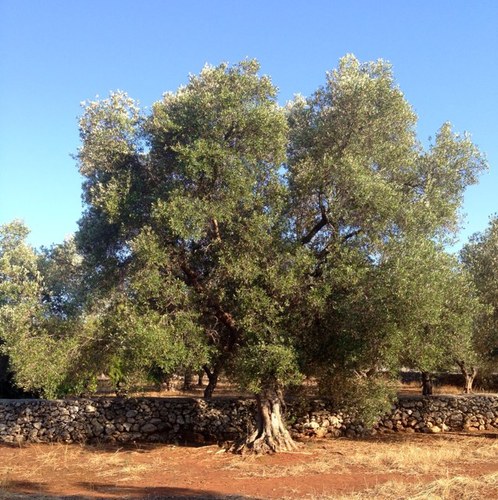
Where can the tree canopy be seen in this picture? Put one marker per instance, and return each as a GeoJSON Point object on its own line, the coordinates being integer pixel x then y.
{"type": "Point", "coordinates": [479, 257]}
{"type": "Point", "coordinates": [223, 231]}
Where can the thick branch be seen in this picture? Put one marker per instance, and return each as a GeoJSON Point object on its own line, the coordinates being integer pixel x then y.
{"type": "Point", "coordinates": [315, 229]}
{"type": "Point", "coordinates": [221, 315]}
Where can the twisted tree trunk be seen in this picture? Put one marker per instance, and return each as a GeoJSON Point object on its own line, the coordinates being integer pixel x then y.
{"type": "Point", "coordinates": [271, 434]}
{"type": "Point", "coordinates": [469, 373]}
{"type": "Point", "coordinates": [212, 380]}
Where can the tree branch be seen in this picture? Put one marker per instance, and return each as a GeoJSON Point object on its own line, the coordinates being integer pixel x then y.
{"type": "Point", "coordinates": [350, 235]}
{"type": "Point", "coordinates": [221, 315]}
{"type": "Point", "coordinates": [315, 229]}
{"type": "Point", "coordinates": [216, 229]}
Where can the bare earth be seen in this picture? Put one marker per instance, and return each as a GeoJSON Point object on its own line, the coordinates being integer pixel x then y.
{"type": "Point", "coordinates": [394, 466]}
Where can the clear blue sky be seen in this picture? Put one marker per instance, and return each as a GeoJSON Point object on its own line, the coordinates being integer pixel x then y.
{"type": "Point", "coordinates": [56, 53]}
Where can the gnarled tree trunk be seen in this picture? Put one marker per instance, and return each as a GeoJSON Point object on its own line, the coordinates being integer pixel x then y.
{"type": "Point", "coordinates": [212, 380]}
{"type": "Point", "coordinates": [271, 435]}
{"type": "Point", "coordinates": [469, 373]}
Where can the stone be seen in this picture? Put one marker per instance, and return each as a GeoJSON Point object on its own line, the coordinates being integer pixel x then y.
{"type": "Point", "coordinates": [98, 429]}
{"type": "Point", "coordinates": [109, 428]}
{"type": "Point", "coordinates": [149, 428]}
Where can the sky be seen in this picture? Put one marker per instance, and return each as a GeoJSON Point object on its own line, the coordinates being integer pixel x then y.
{"type": "Point", "coordinates": [54, 54]}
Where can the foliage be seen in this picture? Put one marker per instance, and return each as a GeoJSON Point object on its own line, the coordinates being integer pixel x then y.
{"type": "Point", "coordinates": [373, 208]}
{"type": "Point", "coordinates": [209, 196]}
{"type": "Point", "coordinates": [34, 344]}
{"type": "Point", "coordinates": [223, 230]}
{"type": "Point", "coordinates": [63, 279]}
{"type": "Point", "coordinates": [479, 257]}
{"type": "Point", "coordinates": [366, 396]}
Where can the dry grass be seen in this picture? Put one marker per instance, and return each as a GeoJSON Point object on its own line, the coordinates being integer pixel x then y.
{"type": "Point", "coordinates": [459, 487]}
{"type": "Point", "coordinates": [429, 456]}
{"type": "Point", "coordinates": [425, 457]}
{"type": "Point", "coordinates": [416, 467]}
{"type": "Point", "coordinates": [120, 465]}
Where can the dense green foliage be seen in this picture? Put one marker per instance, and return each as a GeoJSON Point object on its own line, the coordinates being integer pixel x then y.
{"type": "Point", "coordinates": [480, 258]}
{"type": "Point", "coordinates": [34, 340]}
{"type": "Point", "coordinates": [224, 231]}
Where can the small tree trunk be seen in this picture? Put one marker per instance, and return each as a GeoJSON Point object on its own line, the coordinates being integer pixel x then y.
{"type": "Point", "coordinates": [200, 377]}
{"type": "Point", "coordinates": [469, 374]}
{"type": "Point", "coordinates": [212, 380]}
{"type": "Point", "coordinates": [426, 384]}
{"type": "Point", "coordinates": [187, 380]}
{"type": "Point", "coordinates": [271, 435]}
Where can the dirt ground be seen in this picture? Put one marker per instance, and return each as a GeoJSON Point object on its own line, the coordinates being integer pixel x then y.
{"type": "Point", "coordinates": [393, 466]}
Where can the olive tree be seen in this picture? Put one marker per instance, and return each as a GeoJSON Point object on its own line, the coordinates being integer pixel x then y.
{"type": "Point", "coordinates": [479, 259]}
{"type": "Point", "coordinates": [222, 231]}
{"type": "Point", "coordinates": [34, 344]}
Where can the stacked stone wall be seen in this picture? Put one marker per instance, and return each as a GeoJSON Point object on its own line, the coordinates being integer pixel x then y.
{"type": "Point", "coordinates": [184, 420]}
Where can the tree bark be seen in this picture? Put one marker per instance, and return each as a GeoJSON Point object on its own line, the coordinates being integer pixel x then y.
{"type": "Point", "coordinates": [212, 380]}
{"type": "Point", "coordinates": [469, 373]}
{"type": "Point", "coordinates": [427, 388]}
{"type": "Point", "coordinates": [271, 435]}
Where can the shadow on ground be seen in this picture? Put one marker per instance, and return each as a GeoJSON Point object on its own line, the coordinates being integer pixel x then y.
{"type": "Point", "coordinates": [20, 490]}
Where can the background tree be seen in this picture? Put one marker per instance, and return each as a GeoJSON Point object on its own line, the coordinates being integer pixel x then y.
{"type": "Point", "coordinates": [64, 285]}
{"type": "Point", "coordinates": [479, 257]}
{"type": "Point", "coordinates": [17, 284]}
{"type": "Point", "coordinates": [436, 307]}
{"type": "Point", "coordinates": [33, 343]}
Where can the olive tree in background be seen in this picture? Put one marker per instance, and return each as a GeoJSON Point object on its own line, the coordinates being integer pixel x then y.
{"type": "Point", "coordinates": [479, 257]}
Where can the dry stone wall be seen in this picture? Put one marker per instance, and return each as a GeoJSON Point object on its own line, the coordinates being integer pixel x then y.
{"type": "Point", "coordinates": [431, 414]}
{"type": "Point", "coordinates": [180, 420]}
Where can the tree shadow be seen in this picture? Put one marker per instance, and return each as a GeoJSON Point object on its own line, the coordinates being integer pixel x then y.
{"type": "Point", "coordinates": [19, 490]}
{"type": "Point", "coordinates": [158, 492]}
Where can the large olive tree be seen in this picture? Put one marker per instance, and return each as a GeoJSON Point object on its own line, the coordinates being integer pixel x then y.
{"type": "Point", "coordinates": [222, 231]}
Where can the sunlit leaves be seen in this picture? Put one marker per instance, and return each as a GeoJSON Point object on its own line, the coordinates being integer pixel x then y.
{"type": "Point", "coordinates": [221, 228]}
